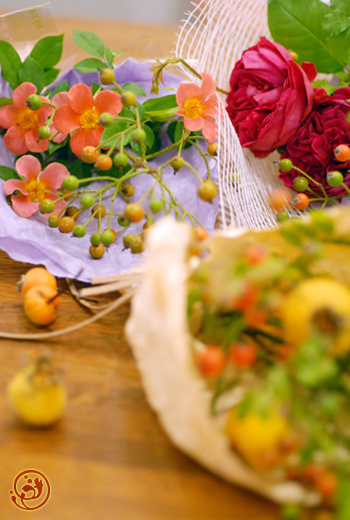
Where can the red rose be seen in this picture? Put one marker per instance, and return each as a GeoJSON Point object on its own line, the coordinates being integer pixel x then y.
{"type": "Point", "coordinates": [270, 96]}
{"type": "Point", "coordinates": [311, 149]}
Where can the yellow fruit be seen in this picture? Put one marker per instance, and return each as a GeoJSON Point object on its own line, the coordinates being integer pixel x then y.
{"type": "Point", "coordinates": [318, 305]}
{"type": "Point", "coordinates": [37, 394]}
{"type": "Point", "coordinates": [254, 435]}
{"type": "Point", "coordinates": [34, 277]}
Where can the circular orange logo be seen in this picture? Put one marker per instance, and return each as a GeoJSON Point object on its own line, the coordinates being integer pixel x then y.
{"type": "Point", "coordinates": [31, 490]}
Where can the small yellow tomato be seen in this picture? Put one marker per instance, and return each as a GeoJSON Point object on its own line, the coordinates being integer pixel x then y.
{"type": "Point", "coordinates": [37, 394]}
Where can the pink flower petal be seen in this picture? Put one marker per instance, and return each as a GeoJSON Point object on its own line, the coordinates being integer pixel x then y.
{"type": "Point", "coordinates": [82, 138]}
{"type": "Point", "coordinates": [28, 167]}
{"type": "Point", "coordinates": [14, 140]}
{"type": "Point", "coordinates": [186, 91]}
{"type": "Point", "coordinates": [53, 175]}
{"type": "Point", "coordinates": [60, 99]}
{"type": "Point", "coordinates": [208, 86]}
{"type": "Point", "coordinates": [81, 98]}
{"type": "Point", "coordinates": [59, 137]}
{"type": "Point", "coordinates": [35, 144]}
{"type": "Point", "coordinates": [210, 129]}
{"type": "Point", "coordinates": [20, 94]}
{"type": "Point", "coordinates": [43, 113]}
{"type": "Point", "coordinates": [108, 101]}
{"type": "Point", "coordinates": [14, 184]}
{"type": "Point", "coordinates": [66, 120]}
{"type": "Point", "coordinates": [9, 116]}
{"type": "Point", "coordinates": [193, 124]}
{"type": "Point", "coordinates": [23, 207]}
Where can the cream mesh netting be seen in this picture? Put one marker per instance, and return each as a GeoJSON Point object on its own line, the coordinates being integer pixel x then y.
{"type": "Point", "coordinates": [212, 38]}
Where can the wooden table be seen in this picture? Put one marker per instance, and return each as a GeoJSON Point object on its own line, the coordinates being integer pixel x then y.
{"type": "Point", "coordinates": [108, 458]}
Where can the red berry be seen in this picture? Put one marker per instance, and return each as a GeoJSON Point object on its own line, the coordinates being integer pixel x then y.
{"type": "Point", "coordinates": [243, 355]}
{"type": "Point", "coordinates": [301, 201]}
{"type": "Point", "coordinates": [211, 361]}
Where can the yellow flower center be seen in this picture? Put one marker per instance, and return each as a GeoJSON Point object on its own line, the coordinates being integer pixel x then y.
{"type": "Point", "coordinates": [27, 119]}
{"type": "Point", "coordinates": [89, 120]}
{"type": "Point", "coordinates": [36, 191]}
{"type": "Point", "coordinates": [193, 108]}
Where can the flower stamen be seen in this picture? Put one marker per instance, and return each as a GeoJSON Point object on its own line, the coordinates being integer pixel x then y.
{"type": "Point", "coordinates": [89, 120]}
{"type": "Point", "coordinates": [193, 108]}
{"type": "Point", "coordinates": [27, 119]}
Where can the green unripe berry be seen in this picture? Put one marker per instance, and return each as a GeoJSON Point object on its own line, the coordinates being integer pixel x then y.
{"type": "Point", "coordinates": [107, 237]}
{"type": "Point", "coordinates": [107, 76]}
{"type": "Point", "coordinates": [123, 222]}
{"type": "Point", "coordinates": [177, 163]}
{"type": "Point", "coordinates": [121, 160]}
{"type": "Point", "coordinates": [285, 165]}
{"type": "Point", "coordinates": [87, 201]}
{"type": "Point", "coordinates": [282, 217]}
{"type": "Point", "coordinates": [95, 239]}
{"type": "Point", "coordinates": [70, 183]}
{"type": "Point", "coordinates": [47, 206]}
{"type": "Point", "coordinates": [280, 149]}
{"type": "Point", "coordinates": [155, 205]}
{"type": "Point", "coordinates": [44, 132]}
{"type": "Point", "coordinates": [106, 119]}
{"type": "Point", "coordinates": [138, 135]}
{"type": "Point", "coordinates": [128, 99]}
{"type": "Point", "coordinates": [53, 221]}
{"type": "Point", "coordinates": [334, 179]}
{"type": "Point", "coordinates": [300, 183]}
{"type": "Point", "coordinates": [79, 231]}
{"type": "Point", "coordinates": [291, 512]}
{"type": "Point", "coordinates": [137, 245]}
{"type": "Point", "coordinates": [34, 102]}
{"type": "Point", "coordinates": [127, 240]}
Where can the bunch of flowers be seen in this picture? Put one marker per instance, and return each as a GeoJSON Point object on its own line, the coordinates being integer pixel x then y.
{"type": "Point", "coordinates": [66, 138]}
{"type": "Point", "coordinates": [276, 103]}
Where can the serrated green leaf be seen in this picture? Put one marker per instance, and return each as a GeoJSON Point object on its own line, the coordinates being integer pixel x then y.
{"type": "Point", "coordinates": [50, 75]}
{"type": "Point", "coordinates": [297, 25]}
{"type": "Point", "coordinates": [90, 65]}
{"type": "Point", "coordinates": [111, 133]}
{"type": "Point", "coordinates": [33, 72]}
{"type": "Point", "coordinates": [89, 42]}
{"type": "Point", "coordinates": [336, 22]}
{"type": "Point", "coordinates": [8, 173]}
{"type": "Point", "coordinates": [5, 101]}
{"type": "Point", "coordinates": [133, 87]}
{"type": "Point", "coordinates": [48, 51]}
{"type": "Point", "coordinates": [323, 83]}
{"type": "Point", "coordinates": [61, 87]}
{"type": "Point", "coordinates": [10, 63]}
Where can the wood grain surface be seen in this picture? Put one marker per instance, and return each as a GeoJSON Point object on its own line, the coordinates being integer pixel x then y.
{"type": "Point", "coordinates": [108, 458]}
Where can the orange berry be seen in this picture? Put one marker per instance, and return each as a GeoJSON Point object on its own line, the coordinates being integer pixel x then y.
{"type": "Point", "coordinates": [311, 473]}
{"type": "Point", "coordinates": [34, 277]}
{"type": "Point", "coordinates": [255, 255]}
{"type": "Point", "coordinates": [89, 154]}
{"type": "Point", "coordinates": [301, 201]}
{"type": "Point", "coordinates": [40, 304]}
{"type": "Point", "coordinates": [67, 193]}
{"type": "Point", "coordinates": [280, 199]}
{"type": "Point", "coordinates": [97, 251]}
{"type": "Point", "coordinates": [66, 224]}
{"type": "Point", "coordinates": [103, 163]}
{"type": "Point", "coordinates": [248, 298]}
{"type": "Point", "coordinates": [342, 153]}
{"type": "Point", "coordinates": [210, 361]}
{"type": "Point", "coordinates": [200, 233]}
{"type": "Point", "coordinates": [326, 484]}
{"type": "Point", "coordinates": [242, 355]}
{"type": "Point", "coordinates": [95, 208]}
{"type": "Point", "coordinates": [134, 212]}
{"type": "Point", "coordinates": [212, 148]}
{"type": "Point", "coordinates": [256, 317]}
{"type": "Point", "coordinates": [72, 212]}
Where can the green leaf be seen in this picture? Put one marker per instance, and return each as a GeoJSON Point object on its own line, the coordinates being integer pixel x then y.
{"type": "Point", "coordinates": [8, 173]}
{"type": "Point", "coordinates": [50, 75]}
{"type": "Point", "coordinates": [10, 64]}
{"type": "Point", "coordinates": [290, 237]}
{"type": "Point", "coordinates": [160, 103]}
{"type": "Point", "coordinates": [323, 83]}
{"type": "Point", "coordinates": [109, 57]}
{"type": "Point", "coordinates": [78, 168]}
{"type": "Point", "coordinates": [141, 111]}
{"type": "Point", "coordinates": [149, 141]}
{"type": "Point", "coordinates": [61, 87]}
{"type": "Point", "coordinates": [133, 87]}
{"type": "Point", "coordinates": [5, 101]}
{"type": "Point", "coordinates": [112, 132]}
{"type": "Point", "coordinates": [89, 42]}
{"type": "Point", "coordinates": [297, 25]}
{"type": "Point", "coordinates": [90, 65]}
{"type": "Point", "coordinates": [33, 72]}
{"type": "Point", "coordinates": [48, 51]}
{"type": "Point", "coordinates": [178, 131]}
{"type": "Point", "coordinates": [56, 146]}
{"type": "Point", "coordinates": [95, 88]}
{"type": "Point", "coordinates": [336, 23]}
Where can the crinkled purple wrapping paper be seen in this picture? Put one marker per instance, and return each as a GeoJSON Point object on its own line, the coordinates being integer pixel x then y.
{"type": "Point", "coordinates": [32, 240]}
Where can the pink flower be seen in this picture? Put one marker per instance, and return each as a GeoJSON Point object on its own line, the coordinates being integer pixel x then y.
{"type": "Point", "coordinates": [311, 149]}
{"type": "Point", "coordinates": [198, 106]}
{"type": "Point", "coordinates": [270, 95]}
{"type": "Point", "coordinates": [82, 114]}
{"type": "Point", "coordinates": [59, 99]}
{"type": "Point", "coordinates": [23, 123]}
{"type": "Point", "coordinates": [35, 186]}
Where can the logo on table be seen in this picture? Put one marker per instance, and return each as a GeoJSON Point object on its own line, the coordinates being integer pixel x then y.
{"type": "Point", "coordinates": [31, 490]}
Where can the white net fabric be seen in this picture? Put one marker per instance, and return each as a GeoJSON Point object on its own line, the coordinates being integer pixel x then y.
{"type": "Point", "coordinates": [212, 38]}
